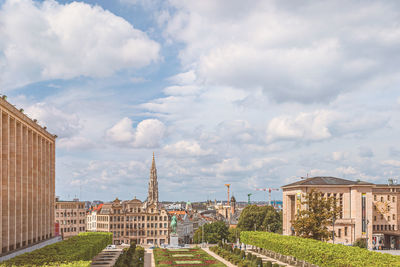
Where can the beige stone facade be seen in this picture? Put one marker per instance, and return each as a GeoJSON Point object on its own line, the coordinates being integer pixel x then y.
{"type": "Point", "coordinates": [367, 210]}
{"type": "Point", "coordinates": [134, 220]}
{"type": "Point", "coordinates": [27, 180]}
{"type": "Point", "coordinates": [71, 218]}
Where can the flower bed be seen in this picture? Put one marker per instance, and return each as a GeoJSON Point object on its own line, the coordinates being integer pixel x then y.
{"type": "Point", "coordinates": [317, 252]}
{"type": "Point", "coordinates": [184, 257]}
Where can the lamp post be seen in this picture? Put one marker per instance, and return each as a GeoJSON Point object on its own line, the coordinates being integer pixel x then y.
{"type": "Point", "coordinates": [333, 232]}
{"type": "Point", "coordinates": [367, 234]}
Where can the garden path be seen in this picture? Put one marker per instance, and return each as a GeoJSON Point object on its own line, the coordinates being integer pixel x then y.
{"type": "Point", "coordinates": [227, 263]}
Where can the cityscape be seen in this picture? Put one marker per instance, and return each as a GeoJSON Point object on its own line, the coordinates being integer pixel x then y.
{"type": "Point", "coordinates": [199, 133]}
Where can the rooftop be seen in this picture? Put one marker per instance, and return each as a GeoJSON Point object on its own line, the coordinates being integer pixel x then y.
{"type": "Point", "coordinates": [326, 180]}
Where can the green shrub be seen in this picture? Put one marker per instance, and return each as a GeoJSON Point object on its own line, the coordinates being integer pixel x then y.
{"type": "Point", "coordinates": [361, 243]}
{"type": "Point", "coordinates": [275, 265]}
{"type": "Point", "coordinates": [249, 256]}
{"type": "Point", "coordinates": [82, 247]}
{"type": "Point", "coordinates": [242, 254]}
{"type": "Point", "coordinates": [268, 264]}
{"type": "Point", "coordinates": [317, 252]}
{"type": "Point", "coordinates": [259, 262]}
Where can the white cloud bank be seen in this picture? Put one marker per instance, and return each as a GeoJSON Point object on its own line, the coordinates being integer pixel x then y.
{"type": "Point", "coordinates": [48, 40]}
{"type": "Point", "coordinates": [148, 133]}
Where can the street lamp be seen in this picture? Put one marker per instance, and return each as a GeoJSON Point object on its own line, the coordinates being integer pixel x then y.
{"type": "Point", "coordinates": [333, 232]}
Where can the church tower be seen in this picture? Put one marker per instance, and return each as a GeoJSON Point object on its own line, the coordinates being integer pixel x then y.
{"type": "Point", "coordinates": [153, 185]}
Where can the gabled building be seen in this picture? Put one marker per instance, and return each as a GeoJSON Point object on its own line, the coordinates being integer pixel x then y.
{"type": "Point", "coordinates": [136, 221]}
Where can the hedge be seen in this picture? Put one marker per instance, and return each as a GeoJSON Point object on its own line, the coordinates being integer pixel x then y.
{"type": "Point", "coordinates": [131, 257]}
{"type": "Point", "coordinates": [317, 252]}
{"type": "Point", "coordinates": [82, 247]}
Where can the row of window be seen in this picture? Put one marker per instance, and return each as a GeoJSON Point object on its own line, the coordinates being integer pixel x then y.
{"type": "Point", "coordinates": [64, 222]}
{"type": "Point", "coordinates": [138, 218]}
{"type": "Point", "coordinates": [383, 199]}
{"type": "Point", "coordinates": [339, 232]}
{"type": "Point", "coordinates": [141, 233]}
{"type": "Point", "coordinates": [71, 229]}
{"type": "Point", "coordinates": [385, 227]}
{"type": "Point", "coordinates": [388, 217]}
{"type": "Point", "coordinates": [69, 214]}
{"type": "Point", "coordinates": [69, 206]}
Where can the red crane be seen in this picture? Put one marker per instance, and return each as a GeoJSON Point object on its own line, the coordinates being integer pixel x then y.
{"type": "Point", "coordinates": [269, 192]}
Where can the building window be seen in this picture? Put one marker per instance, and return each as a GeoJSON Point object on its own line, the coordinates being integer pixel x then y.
{"type": "Point", "coordinates": [373, 227]}
{"type": "Point", "coordinates": [388, 198]}
{"type": "Point", "coordinates": [374, 218]}
{"type": "Point", "coordinates": [389, 218]}
{"type": "Point", "coordinates": [374, 197]}
{"type": "Point", "coordinates": [345, 231]}
{"type": "Point", "coordinates": [381, 216]}
{"type": "Point", "coordinates": [394, 217]}
{"type": "Point", "coordinates": [385, 227]}
{"type": "Point", "coordinates": [374, 207]}
{"type": "Point", "coordinates": [339, 232]}
{"type": "Point", "coordinates": [394, 199]}
{"type": "Point", "coordinates": [381, 199]}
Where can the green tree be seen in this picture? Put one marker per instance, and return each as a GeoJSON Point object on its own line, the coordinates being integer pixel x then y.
{"type": "Point", "coordinates": [234, 233]}
{"type": "Point", "coordinates": [213, 233]}
{"type": "Point", "coordinates": [318, 213]}
{"type": "Point", "coordinates": [264, 218]}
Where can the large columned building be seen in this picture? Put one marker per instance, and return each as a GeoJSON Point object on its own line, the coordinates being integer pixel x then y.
{"type": "Point", "coordinates": [27, 180]}
{"type": "Point", "coordinates": [367, 210]}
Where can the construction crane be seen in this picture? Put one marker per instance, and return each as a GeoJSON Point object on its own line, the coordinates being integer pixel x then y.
{"type": "Point", "coordinates": [269, 192]}
{"type": "Point", "coordinates": [248, 198]}
{"type": "Point", "coordinates": [228, 185]}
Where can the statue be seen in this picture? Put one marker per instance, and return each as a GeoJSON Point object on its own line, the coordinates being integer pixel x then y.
{"type": "Point", "coordinates": [173, 224]}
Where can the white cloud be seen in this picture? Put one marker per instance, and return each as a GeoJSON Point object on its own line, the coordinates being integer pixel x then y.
{"type": "Point", "coordinates": [148, 133]}
{"type": "Point", "coordinates": [75, 142]}
{"type": "Point", "coordinates": [305, 126]}
{"type": "Point", "coordinates": [307, 53]}
{"type": "Point", "coordinates": [122, 131]}
{"type": "Point", "coordinates": [185, 148]}
{"type": "Point", "coordinates": [48, 40]}
{"type": "Point", "coordinates": [58, 122]}
{"type": "Point", "coordinates": [391, 162]}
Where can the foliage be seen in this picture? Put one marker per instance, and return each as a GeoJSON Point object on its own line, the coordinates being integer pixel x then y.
{"type": "Point", "coordinates": [312, 222]}
{"type": "Point", "coordinates": [82, 247]}
{"type": "Point", "coordinates": [213, 233]}
{"type": "Point", "coordinates": [192, 257]}
{"type": "Point", "coordinates": [236, 259]}
{"type": "Point", "coordinates": [318, 252]}
{"type": "Point", "coordinates": [264, 218]}
{"type": "Point", "coordinates": [361, 243]}
{"type": "Point", "coordinates": [132, 257]}
{"type": "Point", "coordinates": [234, 233]}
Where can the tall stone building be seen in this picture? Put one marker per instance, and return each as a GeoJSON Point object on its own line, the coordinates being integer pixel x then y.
{"type": "Point", "coordinates": [27, 180]}
{"type": "Point", "coordinates": [134, 220]}
{"type": "Point", "coordinates": [70, 217]}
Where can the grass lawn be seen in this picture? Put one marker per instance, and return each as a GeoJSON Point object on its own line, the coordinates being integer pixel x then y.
{"type": "Point", "coordinates": [184, 257]}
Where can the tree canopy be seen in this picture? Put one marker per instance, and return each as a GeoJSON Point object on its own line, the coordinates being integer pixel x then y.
{"type": "Point", "coordinates": [213, 233]}
{"type": "Point", "coordinates": [313, 220]}
{"type": "Point", "coordinates": [263, 218]}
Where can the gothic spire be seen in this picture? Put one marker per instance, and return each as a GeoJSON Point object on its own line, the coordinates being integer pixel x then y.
{"type": "Point", "coordinates": [153, 184]}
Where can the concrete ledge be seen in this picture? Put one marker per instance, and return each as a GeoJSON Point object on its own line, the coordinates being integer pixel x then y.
{"type": "Point", "coordinates": [31, 248]}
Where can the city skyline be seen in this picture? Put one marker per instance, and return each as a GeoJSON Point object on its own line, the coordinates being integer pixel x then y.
{"type": "Point", "coordinates": [255, 96]}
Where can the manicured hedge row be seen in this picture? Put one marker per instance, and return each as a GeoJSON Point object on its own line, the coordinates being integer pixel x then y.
{"type": "Point", "coordinates": [317, 252]}
{"type": "Point", "coordinates": [131, 257]}
{"type": "Point", "coordinates": [82, 247]}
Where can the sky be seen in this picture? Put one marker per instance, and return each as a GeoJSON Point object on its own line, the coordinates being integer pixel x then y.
{"type": "Point", "coordinates": [256, 95]}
